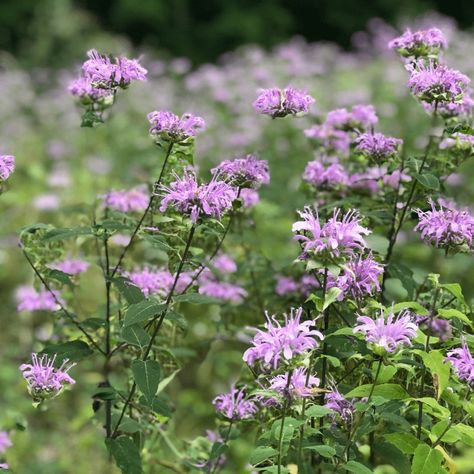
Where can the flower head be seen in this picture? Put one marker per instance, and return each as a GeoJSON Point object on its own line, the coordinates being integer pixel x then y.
{"type": "Point", "coordinates": [250, 197]}
{"type": "Point", "coordinates": [170, 127]}
{"type": "Point", "coordinates": [360, 277]}
{"type": "Point", "coordinates": [7, 166]}
{"type": "Point", "coordinates": [188, 197]}
{"type": "Point", "coordinates": [361, 117]}
{"type": "Point", "coordinates": [71, 266]}
{"type": "Point", "coordinates": [28, 299]}
{"type": "Point", "coordinates": [420, 43]}
{"type": "Point", "coordinates": [338, 237]}
{"type": "Point", "coordinates": [462, 362]}
{"type": "Point", "coordinates": [244, 172]}
{"type": "Point", "coordinates": [103, 72]}
{"type": "Point", "coordinates": [339, 405]}
{"type": "Point", "coordinates": [330, 176]}
{"type": "Point", "coordinates": [45, 380]}
{"type": "Point", "coordinates": [437, 327]}
{"type": "Point", "coordinates": [285, 341]}
{"type": "Point", "coordinates": [234, 406]}
{"type": "Point", "coordinates": [83, 89]}
{"type": "Point", "coordinates": [222, 290]}
{"type": "Point", "coordinates": [436, 83]}
{"type": "Point", "coordinates": [387, 334]}
{"type": "Point", "coordinates": [282, 102]}
{"type": "Point", "coordinates": [332, 139]}
{"type": "Point", "coordinates": [224, 264]}
{"type": "Point", "coordinates": [446, 227]}
{"type": "Point", "coordinates": [133, 200]}
{"type": "Point", "coordinates": [377, 146]}
{"type": "Point", "coordinates": [301, 385]}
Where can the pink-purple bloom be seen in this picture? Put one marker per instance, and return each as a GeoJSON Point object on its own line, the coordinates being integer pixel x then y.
{"type": "Point", "coordinates": [44, 379]}
{"type": "Point", "coordinates": [71, 266]}
{"type": "Point", "coordinates": [436, 83]}
{"type": "Point", "coordinates": [446, 227]}
{"type": "Point", "coordinates": [29, 299]}
{"type": "Point", "coordinates": [387, 334]}
{"type": "Point", "coordinates": [250, 197]}
{"type": "Point", "coordinates": [332, 139]}
{"type": "Point", "coordinates": [282, 102]}
{"type": "Point", "coordinates": [247, 171]}
{"type": "Point", "coordinates": [301, 385]}
{"type": "Point", "coordinates": [132, 200]}
{"type": "Point", "coordinates": [460, 141]}
{"type": "Point", "coordinates": [339, 405]}
{"type": "Point", "coordinates": [234, 405]}
{"type": "Point", "coordinates": [287, 285]}
{"type": "Point", "coordinates": [212, 199]}
{"type": "Point", "coordinates": [7, 166]}
{"type": "Point", "coordinates": [462, 362]}
{"type": "Point", "coordinates": [420, 43]}
{"type": "Point", "coordinates": [377, 146]}
{"type": "Point", "coordinates": [277, 342]}
{"type": "Point", "coordinates": [158, 281]}
{"type": "Point", "coordinates": [5, 441]}
{"type": "Point", "coordinates": [339, 237]}
{"type": "Point", "coordinates": [83, 89]}
{"type": "Point", "coordinates": [222, 290]}
{"type": "Point", "coordinates": [328, 176]}
{"type": "Point", "coordinates": [103, 72]}
{"type": "Point", "coordinates": [361, 117]}
{"type": "Point", "coordinates": [170, 127]}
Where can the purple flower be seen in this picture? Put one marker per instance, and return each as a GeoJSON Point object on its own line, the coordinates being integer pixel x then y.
{"type": "Point", "coordinates": [298, 387]}
{"type": "Point", "coordinates": [459, 141]}
{"type": "Point", "coordinates": [170, 127]}
{"type": "Point", "coordinates": [188, 197]}
{"type": "Point", "coordinates": [71, 266]}
{"type": "Point", "coordinates": [436, 83]}
{"type": "Point", "coordinates": [7, 166]}
{"type": "Point", "coordinates": [3, 465]}
{"type": "Point", "coordinates": [247, 172]}
{"type": "Point", "coordinates": [280, 103]}
{"type": "Point", "coordinates": [420, 43]}
{"type": "Point", "coordinates": [286, 285]}
{"type": "Point", "coordinates": [158, 282]}
{"type": "Point", "coordinates": [250, 197]}
{"type": "Point", "coordinates": [339, 405]}
{"type": "Point", "coordinates": [5, 441]}
{"type": "Point", "coordinates": [446, 227]}
{"type": "Point", "coordinates": [331, 176]}
{"type": "Point", "coordinates": [83, 89]}
{"type": "Point", "coordinates": [461, 108]}
{"type": "Point", "coordinates": [338, 237]}
{"type": "Point", "coordinates": [45, 380]}
{"type": "Point", "coordinates": [359, 278]}
{"type": "Point", "coordinates": [234, 406]}
{"type": "Point", "coordinates": [104, 73]}
{"type": "Point", "coordinates": [224, 264]}
{"type": "Point", "coordinates": [387, 334]}
{"type": "Point", "coordinates": [133, 200]}
{"type": "Point", "coordinates": [377, 146]}
{"type": "Point", "coordinates": [338, 118]}
{"type": "Point", "coordinates": [361, 117]}
{"type": "Point", "coordinates": [224, 291]}
{"type": "Point", "coordinates": [463, 362]}
{"type": "Point", "coordinates": [287, 341]}
{"type": "Point", "coordinates": [437, 327]}
{"type": "Point", "coordinates": [28, 299]}
{"type": "Point", "coordinates": [330, 138]}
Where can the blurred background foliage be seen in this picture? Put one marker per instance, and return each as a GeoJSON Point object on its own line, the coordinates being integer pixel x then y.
{"type": "Point", "coordinates": [42, 44]}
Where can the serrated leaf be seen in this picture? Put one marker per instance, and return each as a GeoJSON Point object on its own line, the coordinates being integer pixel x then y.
{"type": "Point", "coordinates": [128, 290]}
{"type": "Point", "coordinates": [127, 425]}
{"type": "Point", "coordinates": [426, 460]}
{"type": "Point", "coordinates": [159, 405]}
{"type": "Point", "coordinates": [323, 450]}
{"type": "Point", "coordinates": [142, 311]}
{"type": "Point", "coordinates": [466, 433]}
{"type": "Point", "coordinates": [60, 234]}
{"type": "Point", "coordinates": [440, 371]}
{"type": "Point", "coordinates": [456, 290]}
{"type": "Point", "coordinates": [428, 180]}
{"type": "Point", "coordinates": [262, 453]}
{"type": "Point", "coordinates": [405, 442]}
{"type": "Point", "coordinates": [147, 377]}
{"type": "Point", "coordinates": [126, 454]}
{"type": "Point", "coordinates": [331, 296]}
{"type": "Point", "coordinates": [135, 335]}
{"type": "Point", "coordinates": [195, 298]}
{"type": "Point", "coordinates": [317, 411]}
{"type": "Point", "coordinates": [433, 407]}
{"type": "Point", "coordinates": [72, 350]}
{"type": "Point", "coordinates": [357, 468]}
{"type": "Point", "coordinates": [390, 391]}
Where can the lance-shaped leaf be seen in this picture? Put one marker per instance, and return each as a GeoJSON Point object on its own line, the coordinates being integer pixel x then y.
{"type": "Point", "coordinates": [126, 454]}
{"type": "Point", "coordinates": [142, 311]}
{"type": "Point", "coordinates": [147, 377]}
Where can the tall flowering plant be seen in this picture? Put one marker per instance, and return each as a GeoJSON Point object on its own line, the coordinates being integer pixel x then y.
{"type": "Point", "coordinates": [353, 376]}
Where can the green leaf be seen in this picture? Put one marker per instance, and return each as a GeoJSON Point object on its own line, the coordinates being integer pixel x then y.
{"type": "Point", "coordinates": [147, 377]}
{"type": "Point", "coordinates": [262, 453]}
{"type": "Point", "coordinates": [195, 298]}
{"type": "Point", "coordinates": [331, 296]}
{"type": "Point", "coordinates": [128, 290]}
{"type": "Point", "coordinates": [59, 276]}
{"type": "Point", "coordinates": [450, 436]}
{"type": "Point", "coordinates": [390, 391]}
{"type": "Point", "coordinates": [60, 234]}
{"type": "Point", "coordinates": [426, 460]}
{"type": "Point", "coordinates": [466, 433]}
{"type": "Point", "coordinates": [405, 442]}
{"type": "Point", "coordinates": [317, 411]}
{"type": "Point", "coordinates": [454, 313]}
{"type": "Point", "coordinates": [178, 319]}
{"type": "Point", "coordinates": [142, 311]}
{"type": "Point", "coordinates": [158, 405]}
{"type": "Point", "coordinates": [72, 350]}
{"type": "Point", "coordinates": [357, 468]}
{"type": "Point", "coordinates": [428, 180]}
{"type": "Point", "coordinates": [127, 425]}
{"type": "Point", "coordinates": [126, 454]}
{"type": "Point", "coordinates": [433, 407]}
{"type": "Point", "coordinates": [440, 371]}
{"type": "Point", "coordinates": [410, 305]}
{"type": "Point", "coordinates": [323, 450]}
{"type": "Point", "coordinates": [456, 290]}
{"type": "Point", "coordinates": [135, 335]}
{"type": "Point", "coordinates": [166, 381]}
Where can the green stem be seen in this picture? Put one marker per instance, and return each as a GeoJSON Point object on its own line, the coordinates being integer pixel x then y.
{"type": "Point", "coordinates": [108, 403]}
{"type": "Point", "coordinates": [283, 416]}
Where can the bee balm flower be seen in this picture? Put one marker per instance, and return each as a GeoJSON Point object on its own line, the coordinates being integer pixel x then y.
{"type": "Point", "coordinates": [282, 102]}
{"type": "Point", "coordinates": [7, 166]}
{"type": "Point", "coordinates": [462, 362]}
{"type": "Point", "coordinates": [234, 406]}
